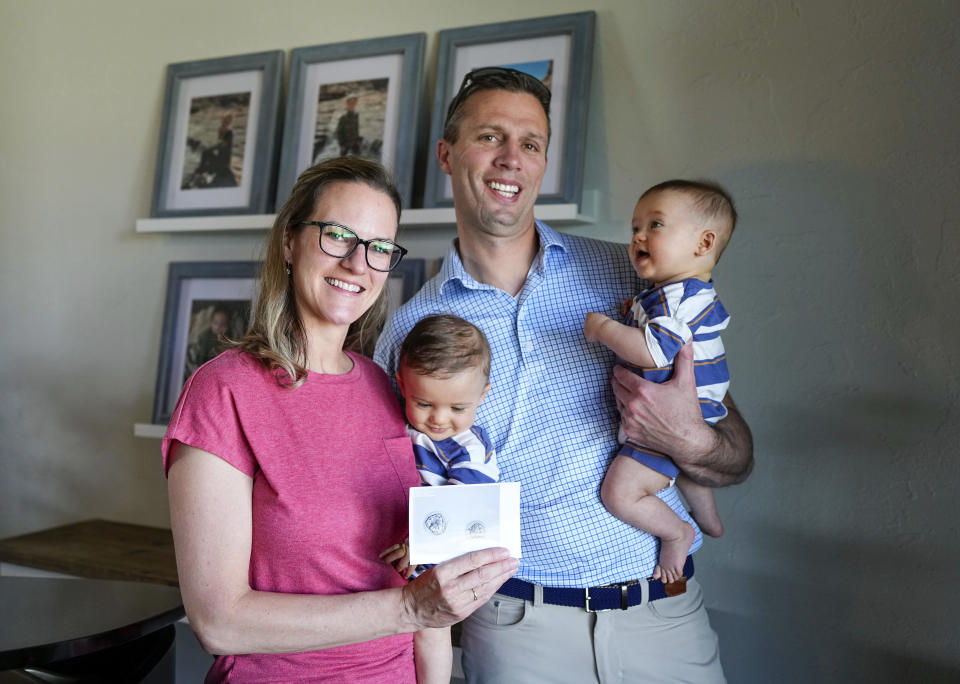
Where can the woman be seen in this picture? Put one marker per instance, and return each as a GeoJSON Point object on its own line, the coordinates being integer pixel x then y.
{"type": "Point", "coordinates": [289, 464]}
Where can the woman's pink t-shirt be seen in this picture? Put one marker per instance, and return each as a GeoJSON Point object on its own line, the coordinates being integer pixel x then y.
{"type": "Point", "coordinates": [331, 465]}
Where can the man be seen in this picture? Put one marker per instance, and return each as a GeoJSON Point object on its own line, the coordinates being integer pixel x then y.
{"type": "Point", "coordinates": [348, 128]}
{"type": "Point", "coordinates": [553, 418]}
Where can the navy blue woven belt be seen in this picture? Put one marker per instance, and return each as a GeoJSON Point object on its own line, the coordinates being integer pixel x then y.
{"type": "Point", "coordinates": [609, 597]}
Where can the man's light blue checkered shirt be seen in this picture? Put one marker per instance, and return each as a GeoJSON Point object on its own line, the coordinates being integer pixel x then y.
{"type": "Point", "coordinates": [550, 412]}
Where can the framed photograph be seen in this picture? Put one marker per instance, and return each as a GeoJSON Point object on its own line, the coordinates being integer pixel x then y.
{"type": "Point", "coordinates": [218, 137]}
{"type": "Point", "coordinates": [206, 300]}
{"type": "Point", "coordinates": [404, 282]}
{"type": "Point", "coordinates": [356, 98]}
{"type": "Point", "coordinates": [559, 51]}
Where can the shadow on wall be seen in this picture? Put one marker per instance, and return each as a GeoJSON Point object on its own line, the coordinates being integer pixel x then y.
{"type": "Point", "coordinates": [835, 607]}
{"type": "Point", "coordinates": [761, 653]}
{"type": "Point", "coordinates": [842, 548]}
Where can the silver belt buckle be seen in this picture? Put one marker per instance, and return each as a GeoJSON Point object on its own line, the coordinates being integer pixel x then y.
{"type": "Point", "coordinates": [624, 600]}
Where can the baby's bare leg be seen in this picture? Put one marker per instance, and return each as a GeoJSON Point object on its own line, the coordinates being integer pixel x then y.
{"type": "Point", "coordinates": [628, 491]}
{"type": "Point", "coordinates": [433, 655]}
{"type": "Point", "coordinates": [703, 505]}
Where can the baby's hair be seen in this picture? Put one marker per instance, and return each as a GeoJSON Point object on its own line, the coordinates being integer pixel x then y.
{"type": "Point", "coordinates": [441, 345]}
{"type": "Point", "coordinates": [709, 199]}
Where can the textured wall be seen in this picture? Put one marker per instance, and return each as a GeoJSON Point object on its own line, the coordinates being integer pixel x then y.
{"type": "Point", "coordinates": [832, 122]}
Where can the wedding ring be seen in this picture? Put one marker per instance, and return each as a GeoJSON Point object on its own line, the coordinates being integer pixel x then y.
{"type": "Point", "coordinates": [474, 590]}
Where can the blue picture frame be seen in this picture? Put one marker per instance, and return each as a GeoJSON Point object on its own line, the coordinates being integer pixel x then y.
{"type": "Point", "coordinates": [239, 277]}
{"type": "Point", "coordinates": [258, 76]}
{"type": "Point", "coordinates": [321, 67]}
{"type": "Point", "coordinates": [492, 45]}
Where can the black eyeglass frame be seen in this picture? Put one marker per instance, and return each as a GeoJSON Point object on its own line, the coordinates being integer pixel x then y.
{"type": "Point", "coordinates": [359, 241]}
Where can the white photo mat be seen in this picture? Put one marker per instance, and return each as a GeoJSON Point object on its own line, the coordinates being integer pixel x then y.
{"type": "Point", "coordinates": [192, 289]}
{"type": "Point", "coordinates": [340, 71]}
{"type": "Point", "coordinates": [331, 72]}
{"type": "Point", "coordinates": [205, 86]}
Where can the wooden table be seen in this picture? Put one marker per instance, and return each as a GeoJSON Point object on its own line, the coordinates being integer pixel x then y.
{"type": "Point", "coordinates": [97, 549]}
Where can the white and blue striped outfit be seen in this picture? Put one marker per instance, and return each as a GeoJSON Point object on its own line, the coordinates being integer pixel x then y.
{"type": "Point", "coordinates": [670, 315]}
{"type": "Point", "coordinates": [465, 458]}
{"type": "Point", "coordinates": [550, 409]}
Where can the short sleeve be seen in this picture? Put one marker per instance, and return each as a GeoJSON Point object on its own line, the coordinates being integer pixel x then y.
{"type": "Point", "coordinates": [206, 417]}
{"type": "Point", "coordinates": [665, 335]}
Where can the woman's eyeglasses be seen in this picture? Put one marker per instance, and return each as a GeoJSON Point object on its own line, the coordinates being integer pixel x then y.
{"type": "Point", "coordinates": [339, 241]}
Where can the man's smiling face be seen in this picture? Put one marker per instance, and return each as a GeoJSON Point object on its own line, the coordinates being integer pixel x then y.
{"type": "Point", "coordinates": [498, 161]}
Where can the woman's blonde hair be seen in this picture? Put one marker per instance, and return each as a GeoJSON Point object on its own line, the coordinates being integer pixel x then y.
{"type": "Point", "coordinates": [276, 334]}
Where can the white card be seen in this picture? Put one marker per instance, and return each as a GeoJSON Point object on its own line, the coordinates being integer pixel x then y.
{"type": "Point", "coordinates": [451, 520]}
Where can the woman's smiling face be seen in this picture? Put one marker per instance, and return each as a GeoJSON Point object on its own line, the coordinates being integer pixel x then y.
{"type": "Point", "coordinates": [331, 291]}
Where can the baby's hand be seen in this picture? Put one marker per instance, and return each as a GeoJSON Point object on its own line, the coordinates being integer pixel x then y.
{"type": "Point", "coordinates": [591, 326]}
{"type": "Point", "coordinates": [398, 556]}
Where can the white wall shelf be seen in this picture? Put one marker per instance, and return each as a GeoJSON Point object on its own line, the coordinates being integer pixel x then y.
{"type": "Point", "coordinates": [193, 224]}
{"type": "Point", "coordinates": [559, 214]}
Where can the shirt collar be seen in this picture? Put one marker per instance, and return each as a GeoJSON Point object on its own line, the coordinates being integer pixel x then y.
{"type": "Point", "coordinates": [551, 242]}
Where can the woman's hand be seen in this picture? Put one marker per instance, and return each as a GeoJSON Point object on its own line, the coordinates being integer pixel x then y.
{"type": "Point", "coordinates": [450, 591]}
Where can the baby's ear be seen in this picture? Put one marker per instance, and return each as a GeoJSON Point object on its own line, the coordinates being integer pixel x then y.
{"type": "Point", "coordinates": [708, 239]}
{"type": "Point", "coordinates": [399, 383]}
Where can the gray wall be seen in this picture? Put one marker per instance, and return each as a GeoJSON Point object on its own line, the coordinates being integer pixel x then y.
{"type": "Point", "coordinates": [833, 122]}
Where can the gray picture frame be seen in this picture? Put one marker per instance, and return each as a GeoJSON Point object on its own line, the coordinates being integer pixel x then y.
{"type": "Point", "coordinates": [176, 319]}
{"type": "Point", "coordinates": [266, 68]}
{"type": "Point", "coordinates": [579, 27]}
{"type": "Point", "coordinates": [410, 47]}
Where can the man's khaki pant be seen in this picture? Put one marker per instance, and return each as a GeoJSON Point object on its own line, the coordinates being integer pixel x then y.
{"type": "Point", "coordinates": [509, 640]}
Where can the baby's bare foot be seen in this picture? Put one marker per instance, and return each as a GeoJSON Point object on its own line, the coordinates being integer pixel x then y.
{"type": "Point", "coordinates": [673, 554]}
{"type": "Point", "coordinates": [709, 523]}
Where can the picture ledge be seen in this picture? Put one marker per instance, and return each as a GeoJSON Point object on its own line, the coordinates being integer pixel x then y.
{"type": "Point", "coordinates": [560, 214]}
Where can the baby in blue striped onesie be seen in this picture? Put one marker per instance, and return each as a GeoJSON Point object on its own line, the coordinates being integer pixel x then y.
{"type": "Point", "coordinates": [443, 374]}
{"type": "Point", "coordinates": [680, 229]}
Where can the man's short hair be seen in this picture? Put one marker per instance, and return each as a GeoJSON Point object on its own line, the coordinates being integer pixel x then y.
{"type": "Point", "coordinates": [441, 345]}
{"type": "Point", "coordinates": [710, 199]}
{"type": "Point", "coordinates": [493, 78]}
